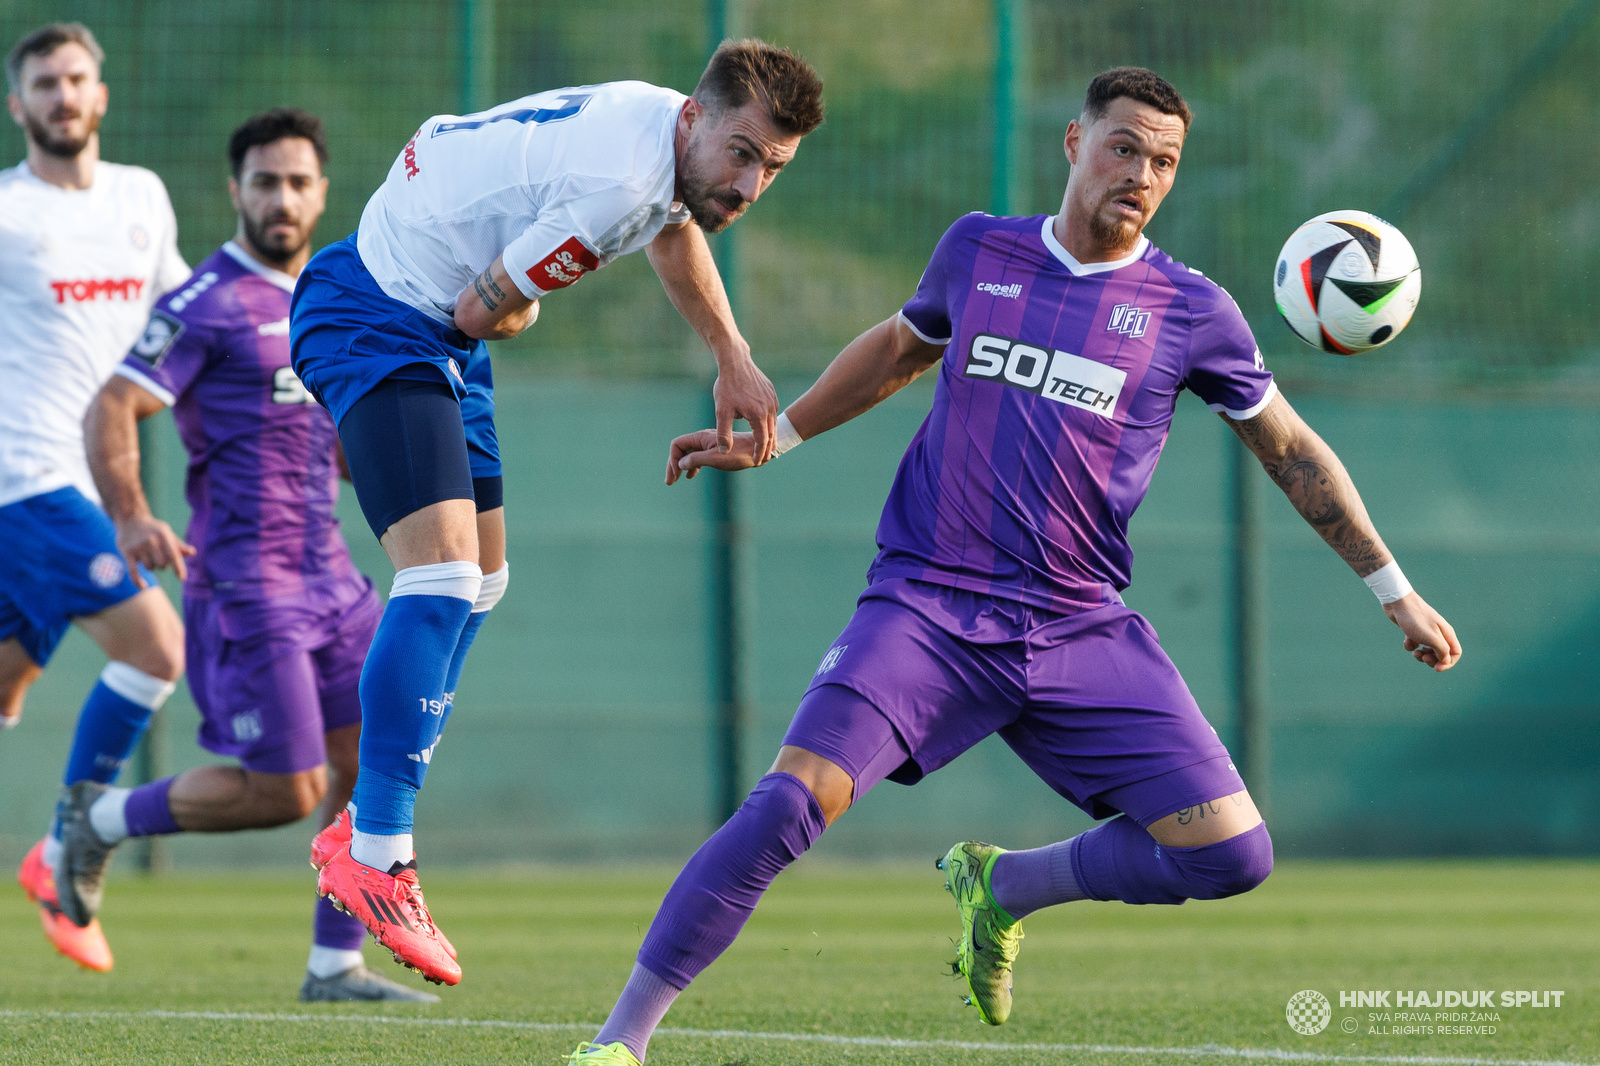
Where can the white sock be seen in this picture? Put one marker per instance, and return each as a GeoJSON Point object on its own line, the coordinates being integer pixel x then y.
{"type": "Point", "coordinates": [109, 815]}
{"type": "Point", "coordinates": [380, 851]}
{"type": "Point", "coordinates": [330, 962]}
{"type": "Point", "coordinates": [51, 855]}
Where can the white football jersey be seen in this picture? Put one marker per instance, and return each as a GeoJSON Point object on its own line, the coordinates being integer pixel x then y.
{"type": "Point", "coordinates": [560, 183]}
{"type": "Point", "coordinates": [79, 269]}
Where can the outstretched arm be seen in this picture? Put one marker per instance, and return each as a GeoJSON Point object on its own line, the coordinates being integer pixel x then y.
{"type": "Point", "coordinates": [111, 436]}
{"type": "Point", "coordinates": [873, 367]}
{"type": "Point", "coordinates": [682, 260]}
{"type": "Point", "coordinates": [1315, 481]}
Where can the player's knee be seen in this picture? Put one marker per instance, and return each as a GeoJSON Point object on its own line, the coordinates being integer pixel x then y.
{"type": "Point", "coordinates": [1227, 868]}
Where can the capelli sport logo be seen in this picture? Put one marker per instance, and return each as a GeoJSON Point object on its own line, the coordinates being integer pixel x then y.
{"type": "Point", "coordinates": [1060, 376]}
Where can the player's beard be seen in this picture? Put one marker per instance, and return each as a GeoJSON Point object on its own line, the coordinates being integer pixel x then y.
{"type": "Point", "coordinates": [699, 198]}
{"type": "Point", "coordinates": [276, 251]}
{"type": "Point", "coordinates": [62, 147]}
{"type": "Point", "coordinates": [1113, 234]}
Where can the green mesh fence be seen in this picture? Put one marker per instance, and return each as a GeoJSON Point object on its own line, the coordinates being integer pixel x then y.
{"type": "Point", "coordinates": [1472, 121]}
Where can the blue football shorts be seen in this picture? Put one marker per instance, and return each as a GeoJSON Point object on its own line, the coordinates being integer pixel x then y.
{"type": "Point", "coordinates": [61, 562]}
{"type": "Point", "coordinates": [413, 398]}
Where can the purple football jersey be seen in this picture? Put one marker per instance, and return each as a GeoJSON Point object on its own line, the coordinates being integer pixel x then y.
{"type": "Point", "coordinates": [1053, 402]}
{"type": "Point", "coordinates": [263, 478]}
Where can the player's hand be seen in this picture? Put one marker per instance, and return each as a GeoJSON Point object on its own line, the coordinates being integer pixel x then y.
{"type": "Point", "coordinates": [743, 391]}
{"type": "Point", "coordinates": [693, 450]}
{"type": "Point", "coordinates": [151, 542]}
{"type": "Point", "coordinates": [1429, 638]}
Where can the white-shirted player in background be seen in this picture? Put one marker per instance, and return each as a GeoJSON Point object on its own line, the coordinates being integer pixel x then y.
{"type": "Point", "coordinates": [480, 216]}
{"type": "Point", "coordinates": [85, 249]}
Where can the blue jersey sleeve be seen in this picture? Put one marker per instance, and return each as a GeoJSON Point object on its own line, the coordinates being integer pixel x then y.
{"type": "Point", "coordinates": [1225, 368]}
{"type": "Point", "coordinates": [169, 354]}
{"type": "Point", "coordinates": [928, 311]}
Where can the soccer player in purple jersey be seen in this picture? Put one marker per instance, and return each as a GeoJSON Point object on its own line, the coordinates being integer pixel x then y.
{"type": "Point", "coordinates": [278, 619]}
{"type": "Point", "coordinates": [993, 605]}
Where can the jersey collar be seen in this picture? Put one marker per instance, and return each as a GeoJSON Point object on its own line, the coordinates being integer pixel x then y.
{"type": "Point", "coordinates": [1078, 269]}
{"type": "Point", "coordinates": [255, 266]}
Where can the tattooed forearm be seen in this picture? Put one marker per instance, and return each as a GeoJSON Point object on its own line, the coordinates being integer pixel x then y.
{"type": "Point", "coordinates": [1316, 483]}
{"type": "Point", "coordinates": [491, 294]}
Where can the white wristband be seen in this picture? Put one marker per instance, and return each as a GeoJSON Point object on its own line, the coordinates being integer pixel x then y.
{"type": "Point", "coordinates": [1388, 583]}
{"type": "Point", "coordinates": [787, 436]}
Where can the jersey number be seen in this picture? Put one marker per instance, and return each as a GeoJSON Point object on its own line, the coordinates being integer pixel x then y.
{"type": "Point", "coordinates": [569, 106]}
{"type": "Point", "coordinates": [286, 387]}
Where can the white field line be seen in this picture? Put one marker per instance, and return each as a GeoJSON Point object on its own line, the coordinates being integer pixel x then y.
{"type": "Point", "coordinates": [1203, 1050]}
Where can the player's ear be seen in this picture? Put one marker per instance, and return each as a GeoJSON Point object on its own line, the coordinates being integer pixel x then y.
{"type": "Point", "coordinates": [233, 192]}
{"type": "Point", "coordinates": [1069, 143]}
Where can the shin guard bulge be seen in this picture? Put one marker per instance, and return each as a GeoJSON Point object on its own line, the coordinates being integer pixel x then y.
{"type": "Point", "coordinates": [402, 689]}
{"type": "Point", "coordinates": [718, 890]}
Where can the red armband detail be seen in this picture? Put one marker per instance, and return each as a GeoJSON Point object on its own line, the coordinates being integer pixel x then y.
{"type": "Point", "coordinates": [563, 266]}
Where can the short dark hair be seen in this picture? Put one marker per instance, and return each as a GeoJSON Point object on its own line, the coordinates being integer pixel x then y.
{"type": "Point", "coordinates": [46, 39]}
{"type": "Point", "coordinates": [275, 125]}
{"type": "Point", "coordinates": [788, 89]}
{"type": "Point", "coordinates": [1136, 83]}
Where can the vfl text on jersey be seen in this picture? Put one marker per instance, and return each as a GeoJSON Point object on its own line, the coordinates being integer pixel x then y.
{"type": "Point", "coordinates": [1128, 320]}
{"type": "Point", "coordinates": [1059, 376]}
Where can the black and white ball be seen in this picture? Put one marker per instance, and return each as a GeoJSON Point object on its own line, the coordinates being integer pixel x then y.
{"type": "Point", "coordinates": [1347, 282]}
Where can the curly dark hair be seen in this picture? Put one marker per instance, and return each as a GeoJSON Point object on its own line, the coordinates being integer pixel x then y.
{"type": "Point", "coordinates": [275, 125]}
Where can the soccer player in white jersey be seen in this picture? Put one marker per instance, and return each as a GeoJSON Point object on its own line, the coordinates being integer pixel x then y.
{"type": "Point", "coordinates": [481, 216]}
{"type": "Point", "coordinates": [85, 248]}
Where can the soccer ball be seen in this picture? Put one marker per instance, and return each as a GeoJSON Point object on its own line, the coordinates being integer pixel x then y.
{"type": "Point", "coordinates": [1347, 282]}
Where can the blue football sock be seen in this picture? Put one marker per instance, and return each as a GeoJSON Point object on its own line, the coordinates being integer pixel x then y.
{"type": "Point", "coordinates": [113, 719]}
{"type": "Point", "coordinates": [452, 677]}
{"type": "Point", "coordinates": [403, 686]}
{"type": "Point", "coordinates": [489, 593]}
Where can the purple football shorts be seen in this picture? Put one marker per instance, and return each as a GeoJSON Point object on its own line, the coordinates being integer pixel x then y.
{"type": "Point", "coordinates": [271, 676]}
{"type": "Point", "coordinates": [1089, 701]}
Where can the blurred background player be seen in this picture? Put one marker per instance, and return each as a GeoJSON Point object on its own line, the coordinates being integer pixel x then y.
{"type": "Point", "coordinates": [277, 616]}
{"type": "Point", "coordinates": [993, 605]}
{"type": "Point", "coordinates": [85, 248]}
{"type": "Point", "coordinates": [479, 217]}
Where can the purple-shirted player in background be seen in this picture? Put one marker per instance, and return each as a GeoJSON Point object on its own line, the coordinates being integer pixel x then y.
{"type": "Point", "coordinates": [993, 604]}
{"type": "Point", "coordinates": [277, 616]}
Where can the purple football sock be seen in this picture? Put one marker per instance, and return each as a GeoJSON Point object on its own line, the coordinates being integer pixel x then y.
{"type": "Point", "coordinates": [717, 891]}
{"type": "Point", "coordinates": [640, 1008]}
{"type": "Point", "coordinates": [148, 813]}
{"type": "Point", "coordinates": [1119, 860]}
{"type": "Point", "coordinates": [1026, 881]}
{"type": "Point", "coordinates": [332, 928]}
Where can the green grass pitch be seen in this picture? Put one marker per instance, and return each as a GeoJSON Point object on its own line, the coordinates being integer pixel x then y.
{"type": "Point", "coordinates": [833, 952]}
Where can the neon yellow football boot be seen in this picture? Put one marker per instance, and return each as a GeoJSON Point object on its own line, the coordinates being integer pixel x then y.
{"type": "Point", "coordinates": [989, 936]}
{"type": "Point", "coordinates": [613, 1054]}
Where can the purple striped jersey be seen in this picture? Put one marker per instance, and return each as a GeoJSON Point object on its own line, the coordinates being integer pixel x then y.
{"type": "Point", "coordinates": [1053, 401]}
{"type": "Point", "coordinates": [263, 479]}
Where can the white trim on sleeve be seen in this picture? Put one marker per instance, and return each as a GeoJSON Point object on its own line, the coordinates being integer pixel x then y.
{"type": "Point", "coordinates": [1251, 411]}
{"type": "Point", "coordinates": [913, 327]}
{"type": "Point", "coordinates": [124, 370]}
